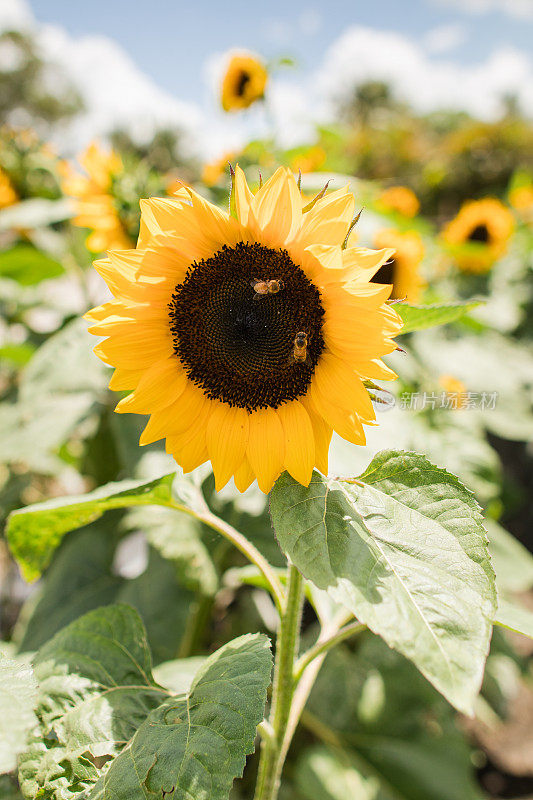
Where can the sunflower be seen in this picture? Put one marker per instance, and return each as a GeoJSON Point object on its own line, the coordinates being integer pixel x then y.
{"type": "Point", "coordinates": [479, 234]}
{"type": "Point", "coordinates": [244, 82]}
{"type": "Point", "coordinates": [403, 269]}
{"type": "Point", "coordinates": [253, 379]}
{"type": "Point", "coordinates": [95, 205]}
{"type": "Point", "coordinates": [400, 199]}
{"type": "Point", "coordinates": [8, 195]}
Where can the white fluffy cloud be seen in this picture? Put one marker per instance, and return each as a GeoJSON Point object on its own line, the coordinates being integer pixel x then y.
{"type": "Point", "coordinates": [426, 82]}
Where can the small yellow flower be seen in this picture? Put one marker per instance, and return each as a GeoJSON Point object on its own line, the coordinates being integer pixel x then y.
{"type": "Point", "coordinates": [455, 390]}
{"type": "Point", "coordinates": [400, 199]}
{"type": "Point", "coordinates": [8, 195]}
{"type": "Point", "coordinates": [403, 269]}
{"type": "Point", "coordinates": [95, 206]}
{"type": "Point", "coordinates": [247, 336]}
{"type": "Point", "coordinates": [310, 161]}
{"type": "Point", "coordinates": [244, 82]}
{"type": "Point", "coordinates": [479, 234]}
{"type": "Point", "coordinates": [214, 170]}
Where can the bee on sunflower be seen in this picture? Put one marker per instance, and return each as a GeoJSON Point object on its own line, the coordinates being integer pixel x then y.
{"type": "Point", "coordinates": [244, 81]}
{"type": "Point", "coordinates": [403, 269]}
{"type": "Point", "coordinates": [479, 234]}
{"type": "Point", "coordinates": [254, 381]}
{"type": "Point", "coordinates": [400, 199]}
{"type": "Point", "coordinates": [8, 195]}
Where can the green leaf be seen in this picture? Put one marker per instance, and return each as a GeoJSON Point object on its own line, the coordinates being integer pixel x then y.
{"type": "Point", "coordinates": [35, 532]}
{"type": "Point", "coordinates": [195, 745]}
{"type": "Point", "coordinates": [18, 692]}
{"type": "Point", "coordinates": [416, 318]}
{"type": "Point", "coordinates": [28, 266]}
{"type": "Point", "coordinates": [404, 549]}
{"type": "Point", "coordinates": [514, 617]}
{"type": "Point", "coordinates": [95, 689]}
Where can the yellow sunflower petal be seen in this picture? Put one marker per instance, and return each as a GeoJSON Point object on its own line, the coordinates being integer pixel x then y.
{"type": "Point", "coordinates": [159, 386]}
{"type": "Point", "coordinates": [189, 449]}
{"type": "Point", "coordinates": [299, 441]}
{"type": "Point", "coordinates": [243, 196]}
{"type": "Point", "coordinates": [346, 425]}
{"type": "Point", "coordinates": [227, 440]}
{"type": "Point", "coordinates": [322, 433]}
{"type": "Point", "coordinates": [244, 475]}
{"type": "Point", "coordinates": [266, 447]}
{"type": "Point", "coordinates": [125, 379]}
{"type": "Point", "coordinates": [335, 378]}
{"type": "Point", "coordinates": [184, 414]}
{"type": "Point", "coordinates": [276, 208]}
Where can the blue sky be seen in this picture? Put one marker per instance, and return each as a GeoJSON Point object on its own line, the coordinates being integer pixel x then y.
{"type": "Point", "coordinates": [171, 41]}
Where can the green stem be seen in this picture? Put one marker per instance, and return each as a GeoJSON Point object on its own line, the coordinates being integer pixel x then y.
{"type": "Point", "coordinates": [241, 543]}
{"type": "Point", "coordinates": [274, 749]}
{"type": "Point", "coordinates": [325, 644]}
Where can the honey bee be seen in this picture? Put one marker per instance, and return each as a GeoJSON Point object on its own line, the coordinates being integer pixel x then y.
{"type": "Point", "coordinates": [299, 354]}
{"type": "Point", "coordinates": [264, 288]}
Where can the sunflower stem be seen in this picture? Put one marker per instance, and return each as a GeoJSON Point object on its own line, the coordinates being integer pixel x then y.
{"type": "Point", "coordinates": [241, 543]}
{"type": "Point", "coordinates": [274, 749]}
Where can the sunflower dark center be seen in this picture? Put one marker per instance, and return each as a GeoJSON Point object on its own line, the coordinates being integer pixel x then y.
{"type": "Point", "coordinates": [479, 234]}
{"type": "Point", "coordinates": [243, 79]}
{"type": "Point", "coordinates": [386, 274]}
{"type": "Point", "coordinates": [237, 344]}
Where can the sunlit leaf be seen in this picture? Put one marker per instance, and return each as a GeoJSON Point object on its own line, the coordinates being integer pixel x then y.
{"type": "Point", "coordinates": [416, 318]}
{"type": "Point", "coordinates": [402, 547]}
{"type": "Point", "coordinates": [35, 532]}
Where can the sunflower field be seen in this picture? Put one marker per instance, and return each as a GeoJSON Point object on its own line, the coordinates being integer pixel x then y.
{"type": "Point", "coordinates": [265, 455]}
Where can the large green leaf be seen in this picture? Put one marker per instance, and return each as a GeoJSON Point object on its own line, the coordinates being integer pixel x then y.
{"type": "Point", "coordinates": [18, 692]}
{"type": "Point", "coordinates": [416, 318]}
{"type": "Point", "coordinates": [402, 547]}
{"type": "Point", "coordinates": [95, 689]}
{"type": "Point", "coordinates": [27, 265]}
{"type": "Point", "coordinates": [195, 745]}
{"type": "Point", "coordinates": [35, 532]}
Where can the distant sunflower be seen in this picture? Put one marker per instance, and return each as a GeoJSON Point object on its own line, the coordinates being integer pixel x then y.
{"type": "Point", "coordinates": [244, 82]}
{"type": "Point", "coordinates": [403, 269]}
{"type": "Point", "coordinates": [400, 199]}
{"type": "Point", "coordinates": [479, 234]}
{"type": "Point", "coordinates": [8, 195]}
{"type": "Point", "coordinates": [232, 369]}
{"type": "Point", "coordinates": [95, 206]}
